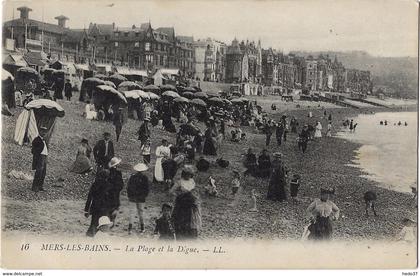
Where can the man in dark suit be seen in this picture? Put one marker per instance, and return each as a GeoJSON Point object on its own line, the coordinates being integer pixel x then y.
{"type": "Point", "coordinates": [104, 151]}
{"type": "Point", "coordinates": [39, 160]}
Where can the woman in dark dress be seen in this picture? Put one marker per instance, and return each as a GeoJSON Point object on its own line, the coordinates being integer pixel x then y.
{"type": "Point", "coordinates": [186, 214]}
{"type": "Point", "coordinates": [264, 164]}
{"type": "Point", "coordinates": [276, 187]}
{"type": "Point", "coordinates": [97, 203]}
{"type": "Point", "coordinates": [250, 163]}
{"type": "Point", "coordinates": [209, 147]}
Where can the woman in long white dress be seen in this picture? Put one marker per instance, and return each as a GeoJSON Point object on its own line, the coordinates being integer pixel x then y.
{"type": "Point", "coordinates": [318, 129]}
{"type": "Point", "coordinates": [163, 152]}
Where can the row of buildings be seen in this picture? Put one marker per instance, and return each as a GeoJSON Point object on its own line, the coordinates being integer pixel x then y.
{"type": "Point", "coordinates": [147, 48]}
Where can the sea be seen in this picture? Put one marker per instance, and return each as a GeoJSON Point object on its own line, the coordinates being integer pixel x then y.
{"type": "Point", "coordinates": [388, 154]}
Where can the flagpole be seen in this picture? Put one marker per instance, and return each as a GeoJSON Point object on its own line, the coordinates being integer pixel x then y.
{"type": "Point", "coordinates": [42, 32]}
{"type": "Point", "coordinates": [13, 18]}
{"type": "Point", "coordinates": [62, 51]}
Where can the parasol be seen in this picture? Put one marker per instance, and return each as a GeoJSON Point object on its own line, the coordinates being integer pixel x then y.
{"type": "Point", "coordinates": [171, 94]}
{"type": "Point", "coordinates": [6, 75]}
{"type": "Point", "coordinates": [28, 70]}
{"type": "Point", "coordinates": [50, 106]}
{"type": "Point", "coordinates": [181, 100]}
{"type": "Point", "coordinates": [216, 100]}
{"type": "Point", "coordinates": [188, 89]}
{"type": "Point", "coordinates": [117, 79]}
{"type": "Point", "coordinates": [101, 76]}
{"type": "Point", "coordinates": [226, 101]}
{"type": "Point", "coordinates": [167, 87]}
{"type": "Point", "coordinates": [141, 94]}
{"type": "Point", "coordinates": [188, 95]}
{"type": "Point", "coordinates": [110, 90]}
{"type": "Point", "coordinates": [199, 102]}
{"type": "Point", "coordinates": [131, 94]}
{"type": "Point", "coordinates": [212, 94]}
{"type": "Point", "coordinates": [200, 95]}
{"type": "Point", "coordinates": [110, 83]}
{"type": "Point", "coordinates": [151, 88]}
{"type": "Point", "coordinates": [153, 96]}
{"type": "Point", "coordinates": [94, 81]}
{"type": "Point", "coordinates": [128, 85]}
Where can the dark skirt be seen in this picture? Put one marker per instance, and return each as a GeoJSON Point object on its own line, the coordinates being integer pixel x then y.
{"type": "Point", "coordinates": [294, 189]}
{"type": "Point", "coordinates": [209, 148]}
{"type": "Point", "coordinates": [321, 229]}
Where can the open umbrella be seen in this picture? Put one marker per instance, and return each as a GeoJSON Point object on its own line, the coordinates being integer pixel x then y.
{"type": "Point", "coordinates": [47, 106]}
{"type": "Point", "coordinates": [153, 96]}
{"type": "Point", "coordinates": [50, 70]}
{"type": "Point", "coordinates": [171, 94]}
{"type": "Point", "coordinates": [181, 100]}
{"type": "Point", "coordinates": [226, 101]}
{"type": "Point", "coordinates": [28, 70]}
{"type": "Point", "coordinates": [167, 87]}
{"type": "Point", "coordinates": [110, 83]}
{"type": "Point", "coordinates": [151, 88]}
{"type": "Point", "coordinates": [199, 102]}
{"type": "Point", "coordinates": [6, 75]}
{"type": "Point", "coordinates": [141, 94]}
{"type": "Point", "coordinates": [216, 100]}
{"type": "Point", "coordinates": [117, 79]}
{"type": "Point", "coordinates": [212, 94]}
{"type": "Point", "coordinates": [189, 89]}
{"type": "Point", "coordinates": [200, 95]}
{"type": "Point", "coordinates": [236, 100]}
{"type": "Point", "coordinates": [128, 85]}
{"type": "Point", "coordinates": [101, 76]}
{"type": "Point", "coordinates": [188, 95]}
{"type": "Point", "coordinates": [131, 94]}
{"type": "Point", "coordinates": [197, 89]}
{"type": "Point", "coordinates": [109, 90]}
{"type": "Point", "coordinates": [94, 81]}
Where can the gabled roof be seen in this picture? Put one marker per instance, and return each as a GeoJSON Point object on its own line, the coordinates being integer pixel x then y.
{"type": "Point", "coordinates": [17, 60]}
{"type": "Point", "coordinates": [170, 31]}
{"type": "Point", "coordinates": [145, 26]}
{"type": "Point", "coordinates": [188, 39]}
{"type": "Point", "coordinates": [36, 58]}
{"type": "Point", "coordinates": [102, 29]}
{"type": "Point", "coordinates": [72, 36]}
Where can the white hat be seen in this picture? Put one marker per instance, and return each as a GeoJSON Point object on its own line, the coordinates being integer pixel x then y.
{"type": "Point", "coordinates": [114, 161]}
{"type": "Point", "coordinates": [187, 185]}
{"type": "Point", "coordinates": [140, 167]}
{"type": "Point", "coordinates": [104, 220]}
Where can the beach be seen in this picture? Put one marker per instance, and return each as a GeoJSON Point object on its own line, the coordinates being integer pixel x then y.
{"type": "Point", "coordinates": [59, 210]}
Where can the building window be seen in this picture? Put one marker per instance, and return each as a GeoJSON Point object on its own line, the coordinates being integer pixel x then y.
{"type": "Point", "coordinates": [137, 44]}
{"type": "Point", "coordinates": [161, 60]}
{"type": "Point", "coordinates": [147, 46]}
{"type": "Point", "coordinates": [116, 44]}
{"type": "Point", "coordinates": [125, 34]}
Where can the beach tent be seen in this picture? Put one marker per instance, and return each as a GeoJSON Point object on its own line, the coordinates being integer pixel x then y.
{"type": "Point", "coordinates": [37, 113]}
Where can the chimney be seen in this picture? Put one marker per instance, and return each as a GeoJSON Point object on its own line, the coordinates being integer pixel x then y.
{"type": "Point", "coordinates": [113, 25]}
{"type": "Point", "coordinates": [24, 12]}
{"type": "Point", "coordinates": [61, 20]}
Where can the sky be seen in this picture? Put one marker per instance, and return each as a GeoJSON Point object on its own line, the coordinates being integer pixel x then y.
{"type": "Point", "coordinates": [379, 27]}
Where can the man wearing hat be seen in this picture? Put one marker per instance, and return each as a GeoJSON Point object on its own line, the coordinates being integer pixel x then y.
{"type": "Point", "coordinates": [278, 179]}
{"type": "Point", "coordinates": [304, 138]}
{"type": "Point", "coordinates": [39, 160]}
{"type": "Point", "coordinates": [137, 192]}
{"type": "Point", "coordinates": [68, 90]}
{"type": "Point", "coordinates": [104, 151]}
{"type": "Point", "coordinates": [116, 185]}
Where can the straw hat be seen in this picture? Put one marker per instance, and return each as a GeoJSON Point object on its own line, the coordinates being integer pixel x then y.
{"type": "Point", "coordinates": [104, 220]}
{"type": "Point", "coordinates": [140, 167]}
{"type": "Point", "coordinates": [114, 162]}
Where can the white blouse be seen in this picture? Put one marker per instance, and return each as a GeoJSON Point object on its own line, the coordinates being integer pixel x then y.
{"type": "Point", "coordinates": [323, 209]}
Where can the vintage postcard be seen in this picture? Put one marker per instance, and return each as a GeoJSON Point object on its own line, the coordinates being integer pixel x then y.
{"type": "Point", "coordinates": [209, 134]}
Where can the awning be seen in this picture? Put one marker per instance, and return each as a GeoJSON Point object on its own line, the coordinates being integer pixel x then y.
{"type": "Point", "coordinates": [16, 60]}
{"type": "Point", "coordinates": [107, 67]}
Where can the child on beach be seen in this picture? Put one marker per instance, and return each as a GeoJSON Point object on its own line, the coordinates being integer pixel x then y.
{"type": "Point", "coordinates": [145, 152]}
{"type": "Point", "coordinates": [294, 186]}
{"type": "Point", "coordinates": [329, 126]}
{"type": "Point", "coordinates": [253, 201]}
{"type": "Point", "coordinates": [164, 226]}
{"type": "Point", "coordinates": [104, 225]}
{"type": "Point", "coordinates": [236, 182]}
{"type": "Point", "coordinates": [211, 188]}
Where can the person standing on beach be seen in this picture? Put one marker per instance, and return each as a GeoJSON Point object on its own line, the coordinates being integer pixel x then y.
{"type": "Point", "coordinates": [276, 187]}
{"type": "Point", "coordinates": [268, 132]}
{"type": "Point", "coordinates": [39, 160]}
{"type": "Point", "coordinates": [68, 90]}
{"type": "Point", "coordinates": [351, 126]}
{"type": "Point", "coordinates": [279, 133]}
{"type": "Point", "coordinates": [318, 129]}
{"type": "Point", "coordinates": [103, 151]}
{"type": "Point", "coordinates": [144, 132]}
{"type": "Point", "coordinates": [304, 138]}
{"type": "Point", "coordinates": [137, 192]}
{"type": "Point", "coordinates": [322, 211]}
{"type": "Point", "coordinates": [329, 127]}
{"type": "Point", "coordinates": [118, 121]}
{"type": "Point", "coordinates": [116, 185]}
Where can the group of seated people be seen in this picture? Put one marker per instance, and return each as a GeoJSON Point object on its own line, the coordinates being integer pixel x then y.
{"type": "Point", "coordinates": [260, 167]}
